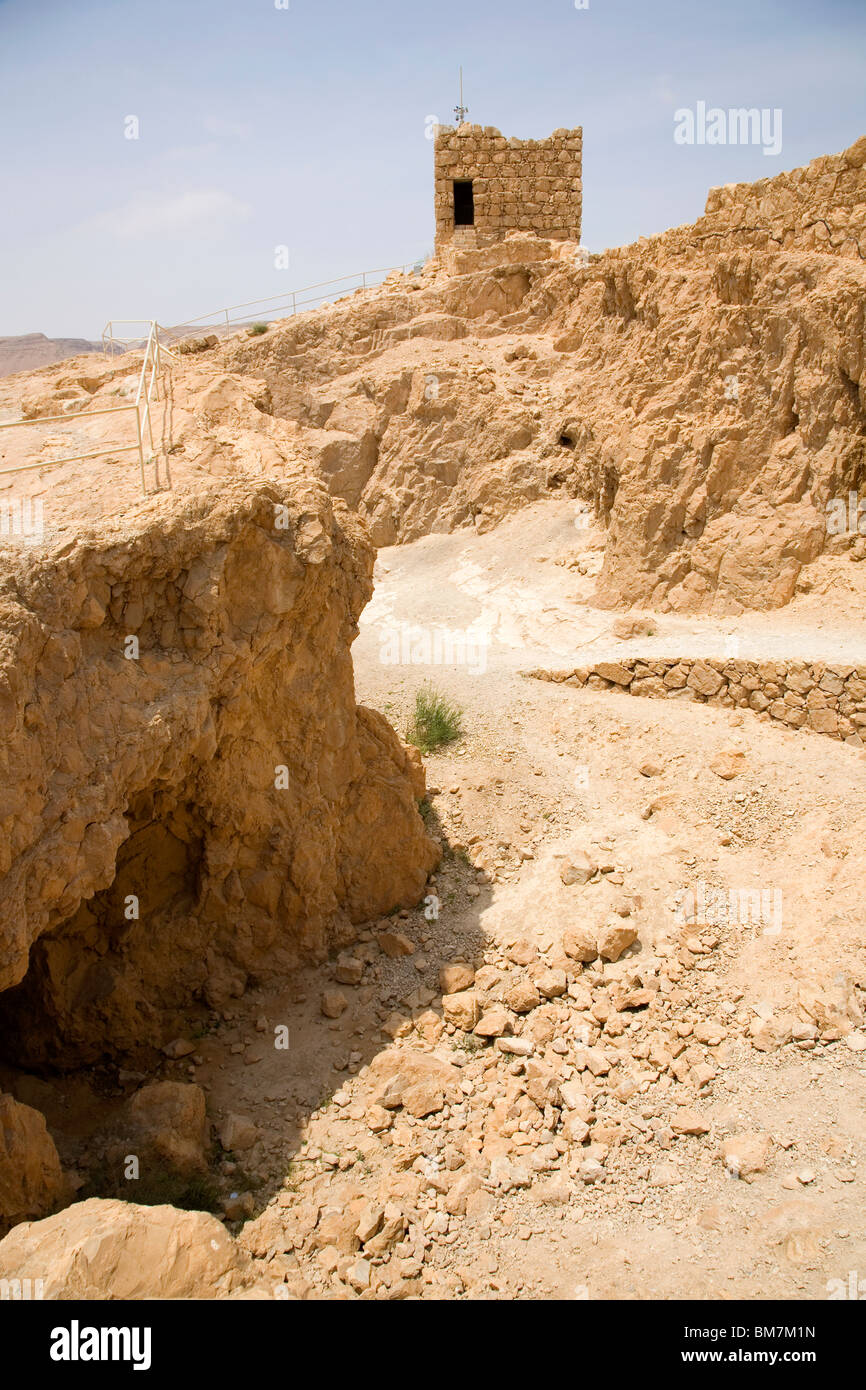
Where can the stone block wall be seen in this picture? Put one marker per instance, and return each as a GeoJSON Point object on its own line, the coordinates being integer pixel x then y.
{"type": "Point", "coordinates": [821, 206]}
{"type": "Point", "coordinates": [818, 207]}
{"type": "Point", "coordinates": [517, 185]}
{"type": "Point", "coordinates": [823, 698]}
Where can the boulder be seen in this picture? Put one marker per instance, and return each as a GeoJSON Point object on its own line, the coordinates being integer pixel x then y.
{"type": "Point", "coordinates": [746, 1154]}
{"type": "Point", "coordinates": [417, 1081]}
{"type": "Point", "coordinates": [167, 1122]}
{"type": "Point", "coordinates": [580, 943]}
{"type": "Point", "coordinates": [728, 763]}
{"type": "Point", "coordinates": [578, 868]}
{"type": "Point", "coordinates": [110, 1250]}
{"type": "Point", "coordinates": [462, 1009]}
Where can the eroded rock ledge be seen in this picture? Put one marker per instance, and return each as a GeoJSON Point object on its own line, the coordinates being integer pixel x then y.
{"type": "Point", "coordinates": [211, 808]}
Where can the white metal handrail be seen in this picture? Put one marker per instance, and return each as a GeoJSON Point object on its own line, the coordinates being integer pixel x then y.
{"type": "Point", "coordinates": [132, 342]}
{"type": "Point", "coordinates": [152, 370]}
{"type": "Point", "coordinates": [289, 302]}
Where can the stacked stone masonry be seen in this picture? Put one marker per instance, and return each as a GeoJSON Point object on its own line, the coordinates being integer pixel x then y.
{"type": "Point", "coordinates": [821, 206]}
{"type": "Point", "coordinates": [818, 207]}
{"type": "Point", "coordinates": [517, 185]}
{"type": "Point", "coordinates": [822, 698]}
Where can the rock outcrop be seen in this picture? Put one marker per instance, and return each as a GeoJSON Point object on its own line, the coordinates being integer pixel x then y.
{"type": "Point", "coordinates": [717, 401]}
{"type": "Point", "coordinates": [189, 795]}
{"type": "Point", "coordinates": [31, 1179]}
{"type": "Point", "coordinates": [701, 388]}
{"type": "Point", "coordinates": [111, 1250]}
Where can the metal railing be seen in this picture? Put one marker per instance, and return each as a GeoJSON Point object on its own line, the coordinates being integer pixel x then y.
{"type": "Point", "coordinates": [152, 372]}
{"type": "Point", "coordinates": [114, 342]}
{"type": "Point", "coordinates": [291, 302]}
{"type": "Point", "coordinates": [153, 368]}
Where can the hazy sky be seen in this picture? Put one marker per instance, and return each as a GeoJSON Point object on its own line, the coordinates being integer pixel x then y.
{"type": "Point", "coordinates": [305, 127]}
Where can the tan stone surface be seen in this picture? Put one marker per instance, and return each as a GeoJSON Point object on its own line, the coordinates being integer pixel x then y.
{"type": "Point", "coordinates": [225, 778]}
{"type": "Point", "coordinates": [526, 185]}
{"type": "Point", "coordinates": [31, 1179]}
{"type": "Point", "coordinates": [117, 1250]}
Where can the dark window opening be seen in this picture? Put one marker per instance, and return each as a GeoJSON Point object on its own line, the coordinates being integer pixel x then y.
{"type": "Point", "coordinates": [464, 203]}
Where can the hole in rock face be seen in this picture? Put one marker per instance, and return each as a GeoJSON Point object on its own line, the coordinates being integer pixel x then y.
{"type": "Point", "coordinates": [566, 441]}
{"type": "Point", "coordinates": [104, 985]}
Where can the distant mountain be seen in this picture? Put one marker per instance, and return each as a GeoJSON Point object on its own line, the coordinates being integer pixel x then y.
{"type": "Point", "coordinates": [29, 350]}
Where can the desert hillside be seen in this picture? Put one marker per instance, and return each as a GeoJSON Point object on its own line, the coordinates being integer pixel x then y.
{"type": "Point", "coordinates": [298, 1000]}
{"type": "Point", "coordinates": [28, 350]}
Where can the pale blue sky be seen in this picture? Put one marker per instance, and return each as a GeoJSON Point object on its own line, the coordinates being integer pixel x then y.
{"type": "Point", "coordinates": [306, 127]}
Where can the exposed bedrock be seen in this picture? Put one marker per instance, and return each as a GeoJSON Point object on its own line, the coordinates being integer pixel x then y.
{"type": "Point", "coordinates": [703, 389]}
{"type": "Point", "coordinates": [189, 794]}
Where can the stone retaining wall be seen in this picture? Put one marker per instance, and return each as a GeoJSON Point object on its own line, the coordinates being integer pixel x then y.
{"type": "Point", "coordinates": [823, 698]}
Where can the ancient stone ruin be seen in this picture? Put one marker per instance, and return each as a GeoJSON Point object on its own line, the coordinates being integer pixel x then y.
{"type": "Point", "coordinates": [288, 1010]}
{"type": "Point", "coordinates": [487, 186]}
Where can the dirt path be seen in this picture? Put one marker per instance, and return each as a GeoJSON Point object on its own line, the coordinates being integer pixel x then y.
{"type": "Point", "coordinates": [578, 1152]}
{"type": "Point", "coordinates": [644, 1205]}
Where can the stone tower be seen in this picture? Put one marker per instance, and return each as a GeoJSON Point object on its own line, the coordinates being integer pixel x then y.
{"type": "Point", "coordinates": [487, 186]}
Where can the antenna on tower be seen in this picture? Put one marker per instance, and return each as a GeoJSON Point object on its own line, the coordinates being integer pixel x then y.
{"type": "Point", "coordinates": [461, 111]}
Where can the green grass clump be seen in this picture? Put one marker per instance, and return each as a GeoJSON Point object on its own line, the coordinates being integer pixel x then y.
{"type": "Point", "coordinates": [436, 721]}
{"type": "Point", "coordinates": [258, 328]}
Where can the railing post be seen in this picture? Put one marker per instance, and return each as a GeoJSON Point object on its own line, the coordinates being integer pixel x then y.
{"type": "Point", "coordinates": [140, 451]}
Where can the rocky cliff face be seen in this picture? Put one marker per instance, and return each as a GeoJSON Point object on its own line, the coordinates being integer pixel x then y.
{"type": "Point", "coordinates": [717, 400]}
{"type": "Point", "coordinates": [189, 794]}
{"type": "Point", "coordinates": [702, 389]}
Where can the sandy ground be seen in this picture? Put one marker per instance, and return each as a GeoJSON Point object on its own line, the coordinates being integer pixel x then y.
{"type": "Point", "coordinates": [540, 771]}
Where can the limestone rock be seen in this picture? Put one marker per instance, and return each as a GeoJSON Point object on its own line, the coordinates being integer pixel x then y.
{"type": "Point", "coordinates": [455, 978]}
{"type": "Point", "coordinates": [395, 944]}
{"type": "Point", "coordinates": [243, 596]}
{"type": "Point", "coordinates": [746, 1154]}
{"type": "Point", "coordinates": [522, 996]}
{"type": "Point", "coordinates": [615, 937]}
{"type": "Point", "coordinates": [237, 1134]}
{"type": "Point", "coordinates": [117, 1250]}
{"type": "Point", "coordinates": [462, 1009]}
{"type": "Point", "coordinates": [348, 970]}
{"type": "Point", "coordinates": [580, 943]}
{"type": "Point", "coordinates": [334, 1003]}
{"type": "Point", "coordinates": [551, 984]}
{"type": "Point", "coordinates": [31, 1179]}
{"type": "Point", "coordinates": [578, 868]}
{"type": "Point", "coordinates": [494, 1022]}
{"type": "Point", "coordinates": [418, 1081]}
{"type": "Point", "coordinates": [689, 1122]}
{"type": "Point", "coordinates": [728, 763]}
{"type": "Point", "coordinates": [166, 1123]}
